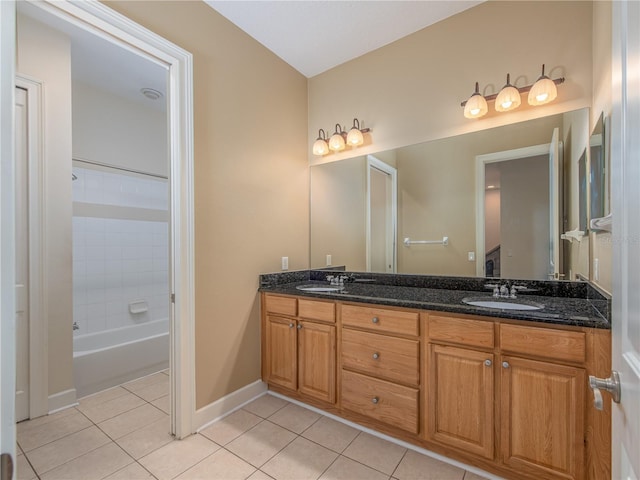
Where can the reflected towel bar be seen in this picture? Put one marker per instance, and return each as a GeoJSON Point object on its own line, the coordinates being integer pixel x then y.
{"type": "Point", "coordinates": [408, 242]}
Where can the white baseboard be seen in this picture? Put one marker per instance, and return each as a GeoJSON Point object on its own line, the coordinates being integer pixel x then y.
{"type": "Point", "coordinates": [61, 400]}
{"type": "Point", "coordinates": [227, 404]}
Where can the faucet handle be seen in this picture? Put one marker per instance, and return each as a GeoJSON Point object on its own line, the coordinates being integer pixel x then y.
{"type": "Point", "coordinates": [330, 278]}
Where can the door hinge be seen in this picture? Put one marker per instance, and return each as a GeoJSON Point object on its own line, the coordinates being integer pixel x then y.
{"type": "Point", "coordinates": [6, 467]}
{"type": "Point", "coordinates": [173, 298]}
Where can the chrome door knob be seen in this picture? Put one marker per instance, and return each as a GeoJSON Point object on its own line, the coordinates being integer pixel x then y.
{"type": "Point", "coordinates": [375, 320]}
{"type": "Point", "coordinates": [505, 365]}
{"type": "Point", "coordinates": [299, 326]}
{"type": "Point", "coordinates": [291, 325]}
{"type": "Point", "coordinates": [611, 385]}
{"type": "Point", "coordinates": [375, 400]}
{"type": "Point", "coordinates": [488, 363]}
{"type": "Point", "coordinates": [376, 356]}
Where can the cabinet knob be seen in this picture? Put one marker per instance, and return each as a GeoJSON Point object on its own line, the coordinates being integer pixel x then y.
{"type": "Point", "coordinates": [505, 365]}
{"type": "Point", "coordinates": [291, 325]}
{"type": "Point", "coordinates": [376, 356]}
{"type": "Point", "coordinates": [299, 326]}
{"type": "Point", "coordinates": [375, 320]}
{"type": "Point", "coordinates": [487, 363]}
{"type": "Point", "coordinates": [375, 400]}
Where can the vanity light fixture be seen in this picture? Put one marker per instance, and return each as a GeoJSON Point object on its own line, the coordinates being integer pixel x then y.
{"type": "Point", "coordinates": [543, 91]}
{"type": "Point", "coordinates": [508, 98]}
{"type": "Point", "coordinates": [320, 146]}
{"type": "Point", "coordinates": [476, 106]}
{"type": "Point", "coordinates": [336, 142]}
{"type": "Point", "coordinates": [340, 139]}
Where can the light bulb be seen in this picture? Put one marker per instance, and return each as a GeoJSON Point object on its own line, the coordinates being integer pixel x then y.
{"type": "Point", "coordinates": [336, 142]}
{"type": "Point", "coordinates": [355, 138]}
{"type": "Point", "coordinates": [508, 98]}
{"type": "Point", "coordinates": [543, 91]}
{"type": "Point", "coordinates": [476, 106]}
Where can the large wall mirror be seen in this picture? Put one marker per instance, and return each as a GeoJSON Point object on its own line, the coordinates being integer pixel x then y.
{"type": "Point", "coordinates": [489, 203]}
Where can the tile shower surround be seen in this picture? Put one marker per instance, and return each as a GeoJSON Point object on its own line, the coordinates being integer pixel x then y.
{"type": "Point", "coordinates": [118, 260]}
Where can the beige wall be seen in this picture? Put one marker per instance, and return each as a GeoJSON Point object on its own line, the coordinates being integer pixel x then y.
{"type": "Point", "coordinates": [45, 55]}
{"type": "Point", "coordinates": [251, 182]}
{"type": "Point", "coordinates": [338, 209]}
{"type": "Point", "coordinates": [410, 91]}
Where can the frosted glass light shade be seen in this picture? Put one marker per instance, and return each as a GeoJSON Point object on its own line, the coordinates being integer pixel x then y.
{"type": "Point", "coordinates": [354, 137]}
{"type": "Point", "coordinates": [320, 147]}
{"type": "Point", "coordinates": [336, 142]}
{"type": "Point", "coordinates": [476, 106]}
{"type": "Point", "coordinates": [543, 91]}
{"type": "Point", "coordinates": [508, 99]}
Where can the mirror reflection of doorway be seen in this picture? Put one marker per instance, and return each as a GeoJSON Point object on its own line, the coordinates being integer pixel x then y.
{"type": "Point", "coordinates": [381, 216]}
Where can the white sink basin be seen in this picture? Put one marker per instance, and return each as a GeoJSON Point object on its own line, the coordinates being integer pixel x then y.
{"type": "Point", "coordinates": [503, 304]}
{"type": "Point", "coordinates": [320, 288]}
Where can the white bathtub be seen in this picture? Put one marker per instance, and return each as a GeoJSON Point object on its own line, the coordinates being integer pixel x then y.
{"type": "Point", "coordinates": [106, 359]}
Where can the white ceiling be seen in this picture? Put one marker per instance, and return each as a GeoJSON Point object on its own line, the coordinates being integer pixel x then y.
{"type": "Point", "coordinates": [316, 35]}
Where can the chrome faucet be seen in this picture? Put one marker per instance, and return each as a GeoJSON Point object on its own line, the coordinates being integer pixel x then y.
{"type": "Point", "coordinates": [338, 280]}
{"type": "Point", "coordinates": [76, 326]}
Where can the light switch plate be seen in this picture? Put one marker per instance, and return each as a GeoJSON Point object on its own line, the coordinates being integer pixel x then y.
{"type": "Point", "coordinates": [285, 263]}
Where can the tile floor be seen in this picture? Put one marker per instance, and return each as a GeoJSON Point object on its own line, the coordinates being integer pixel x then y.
{"type": "Point", "coordinates": [121, 433]}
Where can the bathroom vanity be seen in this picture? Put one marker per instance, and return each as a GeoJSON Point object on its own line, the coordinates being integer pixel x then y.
{"type": "Point", "coordinates": [504, 390]}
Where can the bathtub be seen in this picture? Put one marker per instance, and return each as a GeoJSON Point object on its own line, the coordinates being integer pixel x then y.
{"type": "Point", "coordinates": [106, 359]}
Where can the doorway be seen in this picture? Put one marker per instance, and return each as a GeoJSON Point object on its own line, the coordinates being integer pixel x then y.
{"type": "Point", "coordinates": [381, 224]}
{"type": "Point", "coordinates": [97, 20]}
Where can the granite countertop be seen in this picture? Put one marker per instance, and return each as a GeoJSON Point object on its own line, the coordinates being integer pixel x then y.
{"type": "Point", "coordinates": [560, 310]}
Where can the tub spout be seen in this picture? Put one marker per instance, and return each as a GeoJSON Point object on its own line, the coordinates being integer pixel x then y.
{"type": "Point", "coordinates": [76, 326]}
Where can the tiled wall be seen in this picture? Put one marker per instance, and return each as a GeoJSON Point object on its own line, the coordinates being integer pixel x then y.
{"type": "Point", "coordinates": [120, 253]}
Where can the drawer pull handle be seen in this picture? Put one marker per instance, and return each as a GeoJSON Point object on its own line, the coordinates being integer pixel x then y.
{"type": "Point", "coordinates": [375, 320]}
{"type": "Point", "coordinates": [505, 365]}
{"type": "Point", "coordinates": [375, 400]}
{"type": "Point", "coordinates": [376, 356]}
{"type": "Point", "coordinates": [291, 325]}
{"type": "Point", "coordinates": [487, 363]}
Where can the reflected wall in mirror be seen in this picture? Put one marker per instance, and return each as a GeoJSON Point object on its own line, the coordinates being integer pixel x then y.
{"type": "Point", "coordinates": [598, 172]}
{"type": "Point", "coordinates": [436, 198]}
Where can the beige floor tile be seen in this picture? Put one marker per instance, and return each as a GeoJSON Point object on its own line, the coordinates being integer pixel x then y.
{"type": "Point", "coordinates": [473, 476]}
{"type": "Point", "coordinates": [133, 471]}
{"type": "Point", "coordinates": [261, 443]}
{"type": "Point", "coordinates": [294, 418]}
{"type": "Point", "coordinates": [222, 465]}
{"type": "Point", "coordinates": [23, 469]}
{"type": "Point", "coordinates": [155, 390]}
{"type": "Point", "coordinates": [147, 439]}
{"type": "Point", "coordinates": [166, 372]}
{"type": "Point", "coordinates": [300, 460]}
{"type": "Point", "coordinates": [259, 475]}
{"type": "Point", "coordinates": [72, 446]}
{"type": "Point", "coordinates": [230, 427]}
{"type": "Point", "coordinates": [101, 397]}
{"type": "Point", "coordinates": [331, 434]}
{"type": "Point", "coordinates": [111, 408]}
{"type": "Point", "coordinates": [132, 420]}
{"type": "Point", "coordinates": [94, 465]}
{"type": "Point", "coordinates": [346, 469]}
{"type": "Point", "coordinates": [178, 456]}
{"type": "Point", "coordinates": [144, 382]}
{"type": "Point", "coordinates": [162, 403]}
{"type": "Point", "coordinates": [37, 435]}
{"type": "Point", "coordinates": [265, 406]}
{"type": "Point", "coordinates": [26, 425]}
{"type": "Point", "coordinates": [416, 465]}
{"type": "Point", "coordinates": [375, 452]}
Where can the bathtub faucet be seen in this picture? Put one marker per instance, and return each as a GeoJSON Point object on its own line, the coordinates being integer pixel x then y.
{"type": "Point", "coordinates": [76, 326]}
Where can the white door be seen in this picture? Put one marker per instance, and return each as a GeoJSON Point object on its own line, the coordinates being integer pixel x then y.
{"type": "Point", "coordinates": [554, 206]}
{"type": "Point", "coordinates": [381, 216]}
{"type": "Point", "coordinates": [21, 259]}
{"type": "Point", "coordinates": [7, 239]}
{"type": "Point", "coordinates": [625, 156]}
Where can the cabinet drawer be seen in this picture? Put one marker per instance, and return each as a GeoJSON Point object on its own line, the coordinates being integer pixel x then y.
{"type": "Point", "coordinates": [543, 342]}
{"type": "Point", "coordinates": [281, 305]}
{"type": "Point", "coordinates": [384, 401]}
{"type": "Point", "coordinates": [475, 333]}
{"type": "Point", "coordinates": [392, 358]}
{"type": "Point", "coordinates": [381, 320]}
{"type": "Point", "coordinates": [311, 309]}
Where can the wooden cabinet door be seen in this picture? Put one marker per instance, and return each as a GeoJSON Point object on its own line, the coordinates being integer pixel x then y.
{"type": "Point", "coordinates": [281, 355]}
{"type": "Point", "coordinates": [317, 360]}
{"type": "Point", "coordinates": [542, 417]}
{"type": "Point", "coordinates": [460, 401]}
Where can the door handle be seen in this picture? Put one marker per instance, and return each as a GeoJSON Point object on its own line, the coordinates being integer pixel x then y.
{"type": "Point", "coordinates": [611, 385]}
{"type": "Point", "coordinates": [6, 467]}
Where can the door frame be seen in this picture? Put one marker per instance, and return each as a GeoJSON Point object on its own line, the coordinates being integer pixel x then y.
{"type": "Point", "coordinates": [38, 312]}
{"type": "Point", "coordinates": [373, 162]}
{"type": "Point", "coordinates": [104, 22]}
{"type": "Point", "coordinates": [481, 162]}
